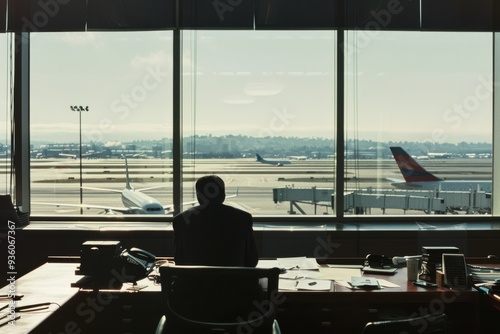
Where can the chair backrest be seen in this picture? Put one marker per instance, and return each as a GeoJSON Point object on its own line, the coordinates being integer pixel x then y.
{"type": "Point", "coordinates": [209, 299]}
{"type": "Point", "coordinates": [429, 324]}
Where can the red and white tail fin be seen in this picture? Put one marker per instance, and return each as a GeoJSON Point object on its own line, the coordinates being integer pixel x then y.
{"type": "Point", "coordinates": [411, 170]}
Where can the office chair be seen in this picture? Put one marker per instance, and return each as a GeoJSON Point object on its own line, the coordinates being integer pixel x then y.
{"type": "Point", "coordinates": [429, 324]}
{"type": "Point", "coordinates": [211, 299]}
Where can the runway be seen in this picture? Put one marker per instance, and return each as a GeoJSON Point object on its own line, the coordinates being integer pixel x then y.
{"type": "Point", "coordinates": [58, 180]}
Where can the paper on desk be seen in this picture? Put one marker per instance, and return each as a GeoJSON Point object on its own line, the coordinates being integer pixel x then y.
{"type": "Point", "coordinates": [298, 274]}
{"type": "Point", "coordinates": [316, 285]}
{"type": "Point", "coordinates": [298, 263]}
{"type": "Point", "coordinates": [287, 284]}
{"type": "Point", "coordinates": [305, 284]}
{"type": "Point", "coordinates": [332, 274]}
{"type": "Point", "coordinates": [387, 284]}
{"type": "Point", "coordinates": [383, 283]}
{"type": "Point", "coordinates": [268, 264]}
{"type": "Point", "coordinates": [337, 274]}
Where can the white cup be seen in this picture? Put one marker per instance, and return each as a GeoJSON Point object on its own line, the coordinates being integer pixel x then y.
{"type": "Point", "coordinates": [412, 269]}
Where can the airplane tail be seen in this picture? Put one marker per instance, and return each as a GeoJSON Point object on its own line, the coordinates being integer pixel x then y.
{"type": "Point", "coordinates": [259, 158]}
{"type": "Point", "coordinates": [411, 170]}
{"type": "Point", "coordinates": [128, 185]}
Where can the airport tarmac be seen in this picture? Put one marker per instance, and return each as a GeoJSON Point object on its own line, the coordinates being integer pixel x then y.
{"type": "Point", "coordinates": [58, 180]}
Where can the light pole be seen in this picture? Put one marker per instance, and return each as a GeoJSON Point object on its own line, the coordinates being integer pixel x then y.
{"type": "Point", "coordinates": [80, 109]}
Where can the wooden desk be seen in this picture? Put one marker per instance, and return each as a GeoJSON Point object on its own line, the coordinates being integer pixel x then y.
{"type": "Point", "coordinates": [489, 312]}
{"type": "Point", "coordinates": [347, 311]}
{"type": "Point", "coordinates": [303, 312]}
{"type": "Point", "coordinates": [74, 310]}
{"type": "Point", "coordinates": [48, 283]}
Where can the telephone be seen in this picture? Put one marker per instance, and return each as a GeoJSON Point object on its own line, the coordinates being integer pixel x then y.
{"type": "Point", "coordinates": [454, 270]}
{"type": "Point", "coordinates": [137, 263]}
{"type": "Point", "coordinates": [378, 261]}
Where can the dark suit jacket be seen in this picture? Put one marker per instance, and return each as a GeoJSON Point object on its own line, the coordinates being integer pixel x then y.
{"type": "Point", "coordinates": [217, 235]}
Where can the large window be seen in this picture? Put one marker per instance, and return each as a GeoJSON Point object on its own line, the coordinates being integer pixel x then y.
{"type": "Point", "coordinates": [259, 109]}
{"type": "Point", "coordinates": [428, 94]}
{"type": "Point", "coordinates": [99, 102]}
{"type": "Point", "coordinates": [261, 95]}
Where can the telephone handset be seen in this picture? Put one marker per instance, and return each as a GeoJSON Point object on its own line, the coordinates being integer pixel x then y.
{"type": "Point", "coordinates": [138, 263]}
{"type": "Point", "coordinates": [454, 270]}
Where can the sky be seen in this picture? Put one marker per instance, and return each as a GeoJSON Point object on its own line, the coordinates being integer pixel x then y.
{"type": "Point", "coordinates": [418, 86]}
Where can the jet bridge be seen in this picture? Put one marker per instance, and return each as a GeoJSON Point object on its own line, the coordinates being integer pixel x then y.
{"type": "Point", "coordinates": [363, 200]}
{"type": "Point", "coordinates": [312, 196]}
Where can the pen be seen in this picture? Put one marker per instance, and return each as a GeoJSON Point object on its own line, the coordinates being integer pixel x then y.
{"type": "Point", "coordinates": [13, 297]}
{"type": "Point", "coordinates": [20, 308]}
{"type": "Point", "coordinates": [8, 321]}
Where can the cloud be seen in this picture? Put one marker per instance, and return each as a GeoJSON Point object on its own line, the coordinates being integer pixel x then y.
{"type": "Point", "coordinates": [263, 88]}
{"type": "Point", "coordinates": [158, 58]}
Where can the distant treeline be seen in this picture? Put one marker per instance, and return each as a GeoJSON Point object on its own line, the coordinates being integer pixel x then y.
{"type": "Point", "coordinates": [235, 146]}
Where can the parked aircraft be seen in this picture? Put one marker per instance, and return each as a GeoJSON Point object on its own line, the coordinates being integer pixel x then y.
{"type": "Point", "coordinates": [433, 155]}
{"type": "Point", "coordinates": [88, 155]}
{"type": "Point", "coordinates": [272, 162]}
{"type": "Point", "coordinates": [298, 157]}
{"type": "Point", "coordinates": [134, 201]}
{"type": "Point", "coordinates": [416, 177]}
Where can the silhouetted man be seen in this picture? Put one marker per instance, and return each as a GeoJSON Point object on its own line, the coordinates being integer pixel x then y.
{"type": "Point", "coordinates": [213, 233]}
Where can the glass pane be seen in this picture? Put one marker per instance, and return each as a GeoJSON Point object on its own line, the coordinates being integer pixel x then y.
{"type": "Point", "coordinates": [268, 94]}
{"type": "Point", "coordinates": [496, 125]}
{"type": "Point", "coordinates": [5, 116]}
{"type": "Point", "coordinates": [106, 96]}
{"type": "Point", "coordinates": [428, 95]}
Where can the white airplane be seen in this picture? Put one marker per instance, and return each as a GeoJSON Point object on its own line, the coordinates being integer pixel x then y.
{"type": "Point", "coordinates": [134, 201]}
{"type": "Point", "coordinates": [272, 162]}
{"type": "Point", "coordinates": [416, 177]}
{"type": "Point", "coordinates": [84, 155]}
{"type": "Point", "coordinates": [298, 157]}
{"type": "Point", "coordinates": [432, 155]}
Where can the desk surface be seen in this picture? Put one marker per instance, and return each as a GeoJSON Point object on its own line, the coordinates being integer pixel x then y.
{"type": "Point", "coordinates": [52, 283]}
{"type": "Point", "coordinates": [49, 283]}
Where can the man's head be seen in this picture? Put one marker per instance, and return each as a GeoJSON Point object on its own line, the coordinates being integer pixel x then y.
{"type": "Point", "coordinates": [210, 189]}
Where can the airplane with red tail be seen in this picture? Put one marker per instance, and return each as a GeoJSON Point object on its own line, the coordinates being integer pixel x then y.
{"type": "Point", "coordinates": [417, 177]}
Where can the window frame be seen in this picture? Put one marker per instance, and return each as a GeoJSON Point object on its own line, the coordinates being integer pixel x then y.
{"type": "Point", "coordinates": [21, 161]}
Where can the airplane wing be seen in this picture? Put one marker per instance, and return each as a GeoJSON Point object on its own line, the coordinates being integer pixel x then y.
{"type": "Point", "coordinates": [169, 208]}
{"type": "Point", "coordinates": [150, 188]}
{"type": "Point", "coordinates": [103, 189]}
{"type": "Point", "coordinates": [123, 210]}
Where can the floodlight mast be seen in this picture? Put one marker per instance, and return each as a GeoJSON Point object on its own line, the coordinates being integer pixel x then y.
{"type": "Point", "coordinates": [80, 109]}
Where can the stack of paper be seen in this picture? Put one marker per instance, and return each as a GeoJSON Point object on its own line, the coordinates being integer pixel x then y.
{"type": "Point", "coordinates": [357, 282]}
{"type": "Point", "coordinates": [305, 274]}
{"type": "Point", "coordinates": [301, 273]}
{"type": "Point", "coordinates": [318, 285]}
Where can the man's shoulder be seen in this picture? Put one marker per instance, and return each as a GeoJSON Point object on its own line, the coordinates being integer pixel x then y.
{"type": "Point", "coordinates": [202, 212]}
{"type": "Point", "coordinates": [184, 215]}
{"type": "Point", "coordinates": [230, 208]}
